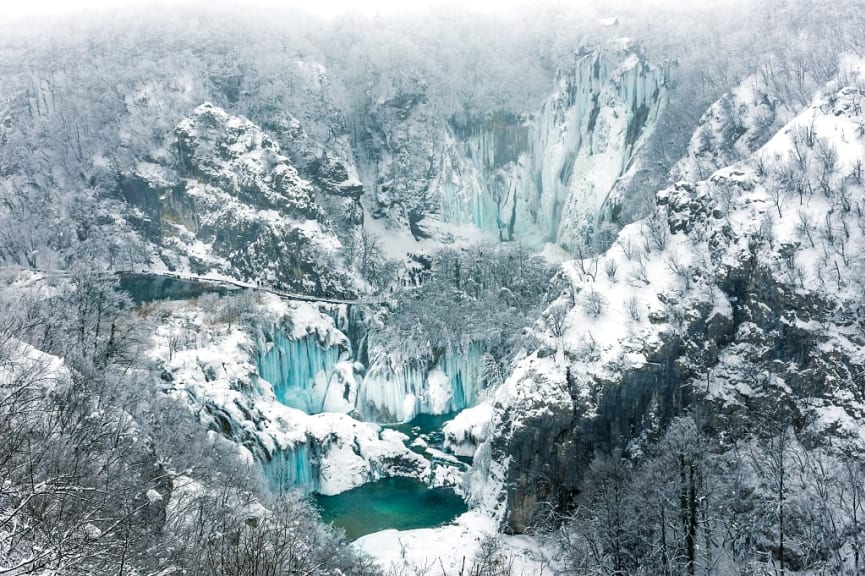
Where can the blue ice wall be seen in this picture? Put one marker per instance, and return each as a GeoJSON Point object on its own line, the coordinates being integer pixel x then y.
{"type": "Point", "coordinates": [292, 468]}
{"type": "Point", "coordinates": [465, 372]}
{"type": "Point", "coordinates": [352, 321]}
{"type": "Point", "coordinates": [396, 391]}
{"type": "Point", "coordinates": [470, 205]}
{"type": "Point", "coordinates": [299, 370]}
{"type": "Point", "coordinates": [522, 187]}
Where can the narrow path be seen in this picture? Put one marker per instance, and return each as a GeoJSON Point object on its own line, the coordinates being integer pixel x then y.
{"type": "Point", "coordinates": [265, 288]}
{"type": "Point", "coordinates": [211, 280]}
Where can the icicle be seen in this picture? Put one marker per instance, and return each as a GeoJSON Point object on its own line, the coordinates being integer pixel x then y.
{"type": "Point", "coordinates": [395, 391]}
{"type": "Point", "coordinates": [298, 370]}
{"type": "Point", "coordinates": [293, 467]}
{"type": "Point", "coordinates": [389, 393]}
{"type": "Point", "coordinates": [464, 370]}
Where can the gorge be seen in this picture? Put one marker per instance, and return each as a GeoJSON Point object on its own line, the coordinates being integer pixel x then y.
{"type": "Point", "coordinates": [556, 290]}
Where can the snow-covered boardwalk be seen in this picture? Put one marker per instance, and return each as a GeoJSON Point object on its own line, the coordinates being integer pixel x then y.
{"type": "Point", "coordinates": [223, 281]}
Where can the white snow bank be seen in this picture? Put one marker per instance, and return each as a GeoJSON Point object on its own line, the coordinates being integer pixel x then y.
{"type": "Point", "coordinates": [23, 365]}
{"type": "Point", "coordinates": [452, 548]}
{"type": "Point", "coordinates": [468, 429]}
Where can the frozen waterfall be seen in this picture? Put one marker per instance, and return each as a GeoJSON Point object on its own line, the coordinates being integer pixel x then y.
{"type": "Point", "coordinates": [396, 390]}
{"type": "Point", "coordinates": [548, 177]}
{"type": "Point", "coordinates": [305, 373]}
{"type": "Point", "coordinates": [293, 467]}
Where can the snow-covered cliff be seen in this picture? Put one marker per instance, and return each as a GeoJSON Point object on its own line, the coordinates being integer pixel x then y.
{"type": "Point", "coordinates": [740, 294]}
{"type": "Point", "coordinates": [549, 176]}
{"type": "Point", "coordinates": [221, 371]}
{"type": "Point", "coordinates": [233, 204]}
{"type": "Point", "coordinates": [739, 123]}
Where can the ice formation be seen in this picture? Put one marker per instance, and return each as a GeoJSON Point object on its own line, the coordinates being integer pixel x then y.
{"type": "Point", "coordinates": [548, 177]}
{"type": "Point", "coordinates": [240, 383]}
{"type": "Point", "coordinates": [305, 373]}
{"type": "Point", "coordinates": [293, 467]}
{"type": "Point", "coordinates": [395, 389]}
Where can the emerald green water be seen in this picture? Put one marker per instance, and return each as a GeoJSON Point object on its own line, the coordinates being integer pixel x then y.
{"type": "Point", "coordinates": [400, 503]}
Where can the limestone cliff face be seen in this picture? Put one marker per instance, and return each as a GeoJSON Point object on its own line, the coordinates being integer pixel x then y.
{"type": "Point", "coordinates": [549, 175]}
{"type": "Point", "coordinates": [233, 203]}
{"type": "Point", "coordinates": [730, 300]}
{"type": "Point", "coordinates": [232, 154]}
{"type": "Point", "coordinates": [549, 447]}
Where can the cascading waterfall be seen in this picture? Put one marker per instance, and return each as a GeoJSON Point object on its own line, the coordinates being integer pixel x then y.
{"type": "Point", "coordinates": [352, 321]}
{"type": "Point", "coordinates": [465, 372]}
{"type": "Point", "coordinates": [473, 194]}
{"type": "Point", "coordinates": [391, 389]}
{"type": "Point", "coordinates": [312, 370]}
{"type": "Point", "coordinates": [463, 205]}
{"type": "Point", "coordinates": [301, 371]}
{"type": "Point", "coordinates": [547, 178]}
{"type": "Point", "coordinates": [293, 467]}
{"type": "Point", "coordinates": [396, 390]}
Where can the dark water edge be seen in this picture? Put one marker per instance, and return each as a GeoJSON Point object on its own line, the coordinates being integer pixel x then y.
{"type": "Point", "coordinates": [429, 428]}
{"type": "Point", "coordinates": [145, 287]}
{"type": "Point", "coordinates": [400, 503]}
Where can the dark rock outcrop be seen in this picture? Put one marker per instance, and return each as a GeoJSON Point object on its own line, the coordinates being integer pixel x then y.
{"type": "Point", "coordinates": [234, 204]}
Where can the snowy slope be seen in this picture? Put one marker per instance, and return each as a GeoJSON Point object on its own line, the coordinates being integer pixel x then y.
{"type": "Point", "coordinates": [24, 365]}
{"type": "Point", "coordinates": [741, 292]}
{"type": "Point", "coordinates": [233, 204]}
{"type": "Point", "coordinates": [734, 127]}
{"type": "Point", "coordinates": [462, 545]}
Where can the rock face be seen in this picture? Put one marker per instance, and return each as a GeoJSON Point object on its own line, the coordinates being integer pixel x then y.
{"type": "Point", "coordinates": [234, 204]}
{"type": "Point", "coordinates": [549, 176]}
{"type": "Point", "coordinates": [738, 298]}
{"type": "Point", "coordinates": [232, 154]}
{"type": "Point", "coordinates": [549, 448]}
{"type": "Point", "coordinates": [734, 127]}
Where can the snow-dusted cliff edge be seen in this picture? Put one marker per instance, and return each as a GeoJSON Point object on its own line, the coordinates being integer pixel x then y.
{"type": "Point", "coordinates": [738, 295]}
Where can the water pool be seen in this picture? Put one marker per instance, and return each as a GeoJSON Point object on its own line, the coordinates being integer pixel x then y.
{"type": "Point", "coordinates": [400, 503]}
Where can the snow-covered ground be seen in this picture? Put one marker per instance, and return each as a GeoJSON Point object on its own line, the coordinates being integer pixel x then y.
{"type": "Point", "coordinates": [455, 547]}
